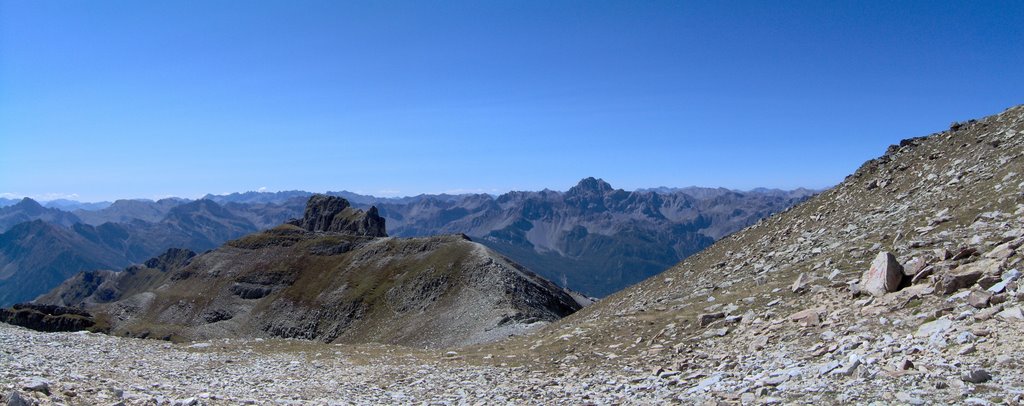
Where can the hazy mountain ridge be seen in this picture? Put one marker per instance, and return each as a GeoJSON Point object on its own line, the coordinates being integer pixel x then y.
{"type": "Point", "coordinates": [39, 255]}
{"type": "Point", "coordinates": [28, 210]}
{"type": "Point", "coordinates": [127, 210]}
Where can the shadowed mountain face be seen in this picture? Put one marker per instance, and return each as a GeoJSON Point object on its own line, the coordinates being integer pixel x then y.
{"type": "Point", "coordinates": [324, 281]}
{"type": "Point", "coordinates": [36, 256]}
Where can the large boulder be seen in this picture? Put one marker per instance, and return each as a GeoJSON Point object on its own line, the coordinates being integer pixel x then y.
{"type": "Point", "coordinates": [885, 275]}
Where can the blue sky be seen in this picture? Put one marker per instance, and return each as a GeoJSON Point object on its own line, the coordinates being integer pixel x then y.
{"type": "Point", "coordinates": [111, 99]}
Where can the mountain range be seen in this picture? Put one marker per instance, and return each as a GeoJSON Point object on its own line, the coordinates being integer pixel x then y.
{"type": "Point", "coordinates": [592, 238]}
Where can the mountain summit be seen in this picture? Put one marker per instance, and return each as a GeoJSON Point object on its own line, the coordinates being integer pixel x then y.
{"type": "Point", "coordinates": [335, 214]}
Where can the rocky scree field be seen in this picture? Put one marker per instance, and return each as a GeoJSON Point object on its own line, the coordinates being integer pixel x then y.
{"type": "Point", "coordinates": [781, 311]}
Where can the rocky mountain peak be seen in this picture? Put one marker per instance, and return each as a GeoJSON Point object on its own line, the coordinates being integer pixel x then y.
{"type": "Point", "coordinates": [591, 186]}
{"type": "Point", "coordinates": [29, 206]}
{"type": "Point", "coordinates": [335, 214]}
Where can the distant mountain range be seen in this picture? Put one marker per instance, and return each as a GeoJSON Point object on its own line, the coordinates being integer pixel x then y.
{"type": "Point", "coordinates": [592, 238]}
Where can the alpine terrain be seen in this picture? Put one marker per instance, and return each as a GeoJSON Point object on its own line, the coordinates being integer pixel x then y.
{"type": "Point", "coordinates": [593, 239]}
{"type": "Point", "coordinates": [899, 285]}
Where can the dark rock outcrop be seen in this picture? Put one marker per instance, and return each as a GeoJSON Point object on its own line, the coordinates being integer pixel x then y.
{"type": "Point", "coordinates": [172, 258]}
{"type": "Point", "coordinates": [47, 317]}
{"type": "Point", "coordinates": [335, 214]}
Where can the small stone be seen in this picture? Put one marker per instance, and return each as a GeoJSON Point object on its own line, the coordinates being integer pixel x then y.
{"type": "Point", "coordinates": [909, 399]}
{"type": "Point", "coordinates": [934, 327]}
{"type": "Point", "coordinates": [988, 281]}
{"type": "Point", "coordinates": [914, 266]}
{"type": "Point", "coordinates": [808, 317]}
{"type": "Point", "coordinates": [952, 282]}
{"type": "Point", "coordinates": [964, 253]}
{"type": "Point", "coordinates": [828, 367]}
{"type": "Point", "coordinates": [799, 285]}
{"type": "Point", "coordinates": [668, 374]}
{"type": "Point", "coordinates": [965, 337]}
{"type": "Point", "coordinates": [850, 367]}
{"type": "Point", "coordinates": [988, 313]}
{"type": "Point", "coordinates": [976, 376]}
{"type": "Point", "coordinates": [1012, 313]}
{"type": "Point", "coordinates": [757, 343]}
{"type": "Point", "coordinates": [905, 365]}
{"type": "Point", "coordinates": [186, 402]}
{"type": "Point", "coordinates": [1001, 252]}
{"type": "Point", "coordinates": [16, 399]}
{"type": "Point", "coordinates": [967, 349]}
{"type": "Point", "coordinates": [1011, 275]}
{"type": "Point", "coordinates": [36, 384]}
{"type": "Point", "coordinates": [924, 273]}
{"type": "Point", "coordinates": [884, 276]}
{"type": "Point", "coordinates": [775, 380]}
{"type": "Point", "coordinates": [999, 287]}
{"type": "Point", "coordinates": [979, 299]}
{"type": "Point", "coordinates": [705, 319]}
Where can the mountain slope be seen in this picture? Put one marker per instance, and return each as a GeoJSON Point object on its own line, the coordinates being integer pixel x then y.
{"type": "Point", "coordinates": [334, 279]}
{"type": "Point", "coordinates": [37, 256]}
{"type": "Point", "coordinates": [777, 312]}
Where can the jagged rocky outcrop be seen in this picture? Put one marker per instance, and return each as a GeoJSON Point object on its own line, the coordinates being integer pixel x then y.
{"type": "Point", "coordinates": [335, 214]}
{"type": "Point", "coordinates": [331, 276]}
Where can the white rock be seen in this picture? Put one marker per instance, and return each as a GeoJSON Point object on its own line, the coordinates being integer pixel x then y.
{"type": "Point", "coordinates": [884, 276]}
{"type": "Point", "coordinates": [934, 327]}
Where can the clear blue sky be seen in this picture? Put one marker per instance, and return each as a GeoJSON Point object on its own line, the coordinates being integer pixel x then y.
{"type": "Point", "coordinates": [111, 99]}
